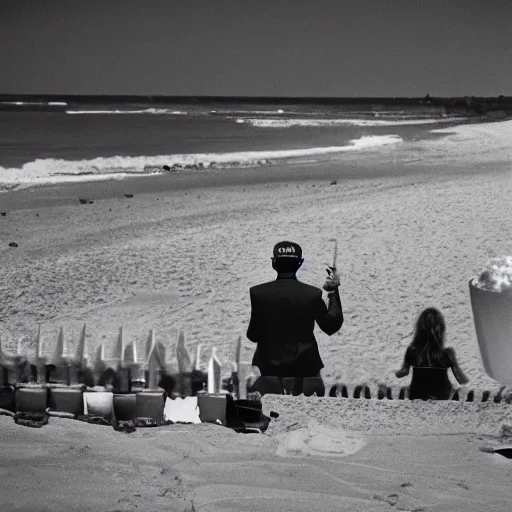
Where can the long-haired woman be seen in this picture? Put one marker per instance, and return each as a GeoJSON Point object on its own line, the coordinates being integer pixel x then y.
{"type": "Point", "coordinates": [430, 359]}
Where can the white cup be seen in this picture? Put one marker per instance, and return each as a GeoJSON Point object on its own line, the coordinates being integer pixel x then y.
{"type": "Point", "coordinates": [492, 314]}
{"type": "Point", "coordinates": [100, 403]}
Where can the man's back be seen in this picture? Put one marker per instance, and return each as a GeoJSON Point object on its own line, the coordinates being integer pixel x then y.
{"type": "Point", "coordinates": [283, 317]}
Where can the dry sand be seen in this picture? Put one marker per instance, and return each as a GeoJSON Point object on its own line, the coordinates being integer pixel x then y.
{"type": "Point", "coordinates": [414, 224]}
{"type": "Point", "coordinates": [408, 239]}
{"type": "Point", "coordinates": [362, 456]}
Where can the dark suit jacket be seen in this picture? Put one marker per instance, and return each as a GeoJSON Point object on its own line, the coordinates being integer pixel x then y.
{"type": "Point", "coordinates": [283, 315]}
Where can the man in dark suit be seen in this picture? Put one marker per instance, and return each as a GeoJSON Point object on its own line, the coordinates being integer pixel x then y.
{"type": "Point", "coordinates": [283, 316]}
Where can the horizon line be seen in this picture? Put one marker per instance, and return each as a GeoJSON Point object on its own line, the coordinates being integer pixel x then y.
{"type": "Point", "coordinates": [245, 97]}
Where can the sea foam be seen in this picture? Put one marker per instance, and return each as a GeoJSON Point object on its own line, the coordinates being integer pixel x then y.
{"type": "Point", "coordinates": [154, 111]}
{"type": "Point", "coordinates": [50, 170]}
{"type": "Point", "coordinates": [288, 123]}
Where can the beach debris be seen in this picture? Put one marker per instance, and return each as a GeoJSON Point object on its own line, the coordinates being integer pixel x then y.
{"type": "Point", "coordinates": [391, 499]}
{"type": "Point", "coordinates": [93, 419]}
{"type": "Point", "coordinates": [167, 168]}
{"type": "Point", "coordinates": [31, 419]}
{"type": "Point", "coordinates": [506, 431]}
{"type": "Point", "coordinates": [3, 214]}
{"type": "Point", "coordinates": [127, 426]}
{"type": "Point", "coordinates": [334, 182]}
{"type": "Point", "coordinates": [13, 244]}
{"type": "Point", "coordinates": [129, 196]}
{"type": "Point", "coordinates": [60, 414]}
{"type": "Point", "coordinates": [84, 201]}
{"type": "Point", "coordinates": [147, 422]}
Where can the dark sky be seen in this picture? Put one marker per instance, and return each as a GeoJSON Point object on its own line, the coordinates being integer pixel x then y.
{"type": "Point", "coordinates": [257, 47]}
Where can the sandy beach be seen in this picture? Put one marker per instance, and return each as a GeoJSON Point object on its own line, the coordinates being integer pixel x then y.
{"type": "Point", "coordinates": [414, 223]}
{"type": "Point", "coordinates": [365, 455]}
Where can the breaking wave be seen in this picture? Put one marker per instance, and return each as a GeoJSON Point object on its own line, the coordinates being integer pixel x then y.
{"type": "Point", "coordinates": [50, 170]}
{"type": "Point", "coordinates": [154, 111]}
{"type": "Point", "coordinates": [288, 123]}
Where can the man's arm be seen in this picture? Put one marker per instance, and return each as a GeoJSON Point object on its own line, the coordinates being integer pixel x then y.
{"type": "Point", "coordinates": [252, 330]}
{"type": "Point", "coordinates": [329, 318]}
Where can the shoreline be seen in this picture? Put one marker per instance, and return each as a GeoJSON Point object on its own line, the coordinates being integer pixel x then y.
{"type": "Point", "coordinates": [439, 153]}
{"type": "Point", "coordinates": [354, 168]}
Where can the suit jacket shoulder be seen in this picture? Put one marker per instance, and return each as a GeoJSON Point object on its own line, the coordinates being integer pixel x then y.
{"type": "Point", "coordinates": [302, 288]}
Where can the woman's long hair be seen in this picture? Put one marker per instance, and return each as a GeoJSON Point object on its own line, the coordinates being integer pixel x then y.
{"type": "Point", "coordinates": [428, 342]}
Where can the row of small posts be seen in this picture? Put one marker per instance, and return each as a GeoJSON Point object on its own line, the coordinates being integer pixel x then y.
{"type": "Point", "coordinates": [124, 387]}
{"type": "Point", "coordinates": [125, 371]}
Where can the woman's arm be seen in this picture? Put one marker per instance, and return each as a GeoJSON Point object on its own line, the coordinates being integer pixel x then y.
{"type": "Point", "coordinates": [405, 365]}
{"type": "Point", "coordinates": [459, 375]}
{"type": "Point", "coordinates": [403, 371]}
{"type": "Point", "coordinates": [456, 369]}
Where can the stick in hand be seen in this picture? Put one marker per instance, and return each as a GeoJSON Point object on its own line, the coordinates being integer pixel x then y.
{"type": "Point", "coordinates": [333, 280]}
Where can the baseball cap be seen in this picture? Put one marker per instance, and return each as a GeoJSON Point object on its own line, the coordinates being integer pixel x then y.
{"type": "Point", "coordinates": [287, 250]}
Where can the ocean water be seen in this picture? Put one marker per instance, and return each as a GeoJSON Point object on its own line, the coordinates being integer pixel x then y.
{"type": "Point", "coordinates": [58, 142]}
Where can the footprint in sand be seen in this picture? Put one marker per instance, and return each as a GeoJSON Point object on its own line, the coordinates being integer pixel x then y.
{"type": "Point", "coordinates": [318, 439]}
